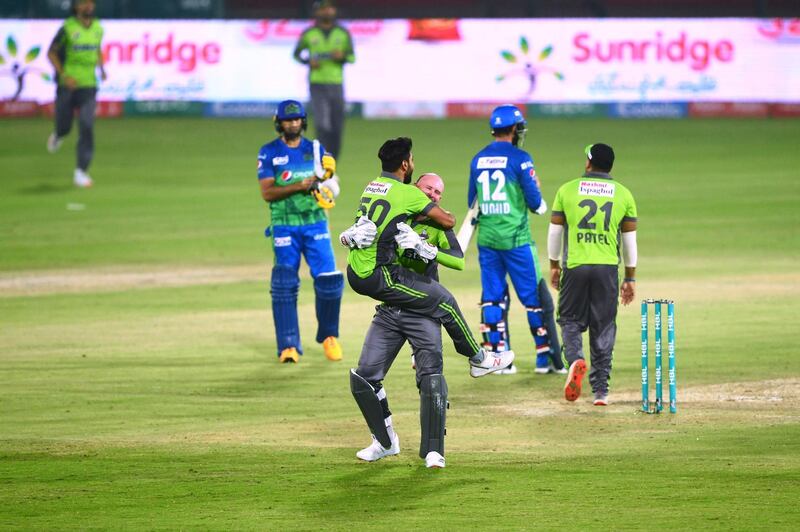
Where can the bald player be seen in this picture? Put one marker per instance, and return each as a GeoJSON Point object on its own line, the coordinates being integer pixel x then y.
{"type": "Point", "coordinates": [392, 326]}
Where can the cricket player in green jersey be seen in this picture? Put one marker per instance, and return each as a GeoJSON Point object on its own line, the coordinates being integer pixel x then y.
{"type": "Point", "coordinates": [592, 216]}
{"type": "Point", "coordinates": [325, 47]}
{"type": "Point", "coordinates": [391, 328]}
{"type": "Point", "coordinates": [387, 203]}
{"type": "Point", "coordinates": [76, 55]}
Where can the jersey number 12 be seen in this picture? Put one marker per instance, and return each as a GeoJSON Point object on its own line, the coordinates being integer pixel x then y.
{"type": "Point", "coordinates": [485, 180]}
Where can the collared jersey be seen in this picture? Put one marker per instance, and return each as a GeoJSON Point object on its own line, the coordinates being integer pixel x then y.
{"type": "Point", "coordinates": [594, 207]}
{"type": "Point", "coordinates": [288, 166]}
{"type": "Point", "coordinates": [320, 44]}
{"type": "Point", "coordinates": [450, 254]}
{"type": "Point", "coordinates": [79, 50]}
{"type": "Point", "coordinates": [502, 178]}
{"type": "Point", "coordinates": [385, 201]}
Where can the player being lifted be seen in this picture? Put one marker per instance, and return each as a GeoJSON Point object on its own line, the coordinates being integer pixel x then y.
{"type": "Point", "coordinates": [289, 171]}
{"type": "Point", "coordinates": [503, 182]}
{"type": "Point", "coordinates": [374, 271]}
{"type": "Point", "coordinates": [391, 327]}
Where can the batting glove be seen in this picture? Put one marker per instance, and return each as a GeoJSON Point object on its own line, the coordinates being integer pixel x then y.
{"type": "Point", "coordinates": [407, 238]}
{"type": "Point", "coordinates": [328, 165]}
{"type": "Point", "coordinates": [542, 208]}
{"type": "Point", "coordinates": [359, 235]}
{"type": "Point", "coordinates": [332, 185]}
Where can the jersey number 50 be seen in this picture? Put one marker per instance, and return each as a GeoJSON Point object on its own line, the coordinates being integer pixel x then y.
{"type": "Point", "coordinates": [373, 214]}
{"type": "Point", "coordinates": [485, 180]}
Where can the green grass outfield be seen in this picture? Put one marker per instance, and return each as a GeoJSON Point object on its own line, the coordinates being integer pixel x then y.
{"type": "Point", "coordinates": [140, 387]}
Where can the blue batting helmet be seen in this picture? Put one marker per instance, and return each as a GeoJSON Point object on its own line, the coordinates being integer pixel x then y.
{"type": "Point", "coordinates": [289, 110]}
{"type": "Point", "coordinates": [506, 116]}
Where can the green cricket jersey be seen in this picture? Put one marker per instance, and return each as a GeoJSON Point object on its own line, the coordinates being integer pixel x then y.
{"type": "Point", "coordinates": [594, 207]}
{"type": "Point", "coordinates": [79, 50]}
{"type": "Point", "coordinates": [386, 201]}
{"type": "Point", "coordinates": [320, 44]}
{"type": "Point", "coordinates": [450, 254]}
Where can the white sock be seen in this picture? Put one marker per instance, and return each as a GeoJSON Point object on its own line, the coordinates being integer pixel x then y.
{"type": "Point", "coordinates": [389, 427]}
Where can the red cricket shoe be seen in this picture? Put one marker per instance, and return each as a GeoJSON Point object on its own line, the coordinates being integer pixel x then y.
{"type": "Point", "coordinates": [572, 390]}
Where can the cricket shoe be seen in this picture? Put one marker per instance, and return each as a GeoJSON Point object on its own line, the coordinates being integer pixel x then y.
{"type": "Point", "coordinates": [289, 354]}
{"type": "Point", "coordinates": [53, 143]}
{"type": "Point", "coordinates": [510, 370]}
{"type": "Point", "coordinates": [542, 364]}
{"type": "Point", "coordinates": [375, 451]}
{"type": "Point", "coordinates": [434, 460]}
{"type": "Point", "coordinates": [332, 349]}
{"type": "Point", "coordinates": [492, 361]}
{"type": "Point", "coordinates": [600, 399]}
{"type": "Point", "coordinates": [551, 369]}
{"type": "Point", "coordinates": [572, 390]}
{"type": "Point", "coordinates": [81, 179]}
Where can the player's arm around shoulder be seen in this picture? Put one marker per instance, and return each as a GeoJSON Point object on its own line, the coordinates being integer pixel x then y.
{"type": "Point", "coordinates": [418, 203]}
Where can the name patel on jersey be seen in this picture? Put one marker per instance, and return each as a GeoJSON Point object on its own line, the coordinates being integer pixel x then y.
{"type": "Point", "coordinates": [596, 188]}
{"type": "Point", "coordinates": [492, 162]}
{"type": "Point", "coordinates": [378, 188]}
{"type": "Point", "coordinates": [592, 238]}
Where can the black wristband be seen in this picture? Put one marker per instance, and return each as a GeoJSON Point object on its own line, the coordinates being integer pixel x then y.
{"type": "Point", "coordinates": [629, 280]}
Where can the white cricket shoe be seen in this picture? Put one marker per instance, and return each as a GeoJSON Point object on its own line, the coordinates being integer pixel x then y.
{"type": "Point", "coordinates": [434, 459]}
{"type": "Point", "coordinates": [510, 370]}
{"type": "Point", "coordinates": [53, 143]}
{"type": "Point", "coordinates": [376, 451]}
{"type": "Point", "coordinates": [82, 179]}
{"type": "Point", "coordinates": [542, 371]}
{"type": "Point", "coordinates": [491, 362]}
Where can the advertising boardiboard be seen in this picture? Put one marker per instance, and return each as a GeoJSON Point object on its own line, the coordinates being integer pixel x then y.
{"type": "Point", "coordinates": [546, 61]}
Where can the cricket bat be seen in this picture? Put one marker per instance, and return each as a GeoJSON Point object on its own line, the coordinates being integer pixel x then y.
{"type": "Point", "coordinates": [464, 234]}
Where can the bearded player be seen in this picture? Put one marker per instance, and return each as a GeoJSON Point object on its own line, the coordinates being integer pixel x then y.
{"type": "Point", "coordinates": [390, 329]}
{"type": "Point", "coordinates": [289, 181]}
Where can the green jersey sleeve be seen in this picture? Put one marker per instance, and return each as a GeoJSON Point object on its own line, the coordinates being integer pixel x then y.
{"type": "Point", "coordinates": [450, 254]}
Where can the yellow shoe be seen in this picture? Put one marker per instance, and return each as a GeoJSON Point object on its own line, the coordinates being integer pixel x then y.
{"type": "Point", "coordinates": [333, 351]}
{"type": "Point", "coordinates": [289, 355]}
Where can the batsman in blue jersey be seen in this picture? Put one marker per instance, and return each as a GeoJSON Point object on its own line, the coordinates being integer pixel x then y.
{"type": "Point", "coordinates": [503, 182]}
{"type": "Point", "coordinates": [297, 179]}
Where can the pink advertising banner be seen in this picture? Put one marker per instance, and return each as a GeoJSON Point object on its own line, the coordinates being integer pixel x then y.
{"type": "Point", "coordinates": [429, 61]}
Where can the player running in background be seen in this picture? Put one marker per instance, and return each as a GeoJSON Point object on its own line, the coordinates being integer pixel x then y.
{"type": "Point", "coordinates": [325, 47]}
{"type": "Point", "coordinates": [503, 182]}
{"type": "Point", "coordinates": [287, 176]}
{"type": "Point", "coordinates": [391, 327]}
{"type": "Point", "coordinates": [76, 55]}
{"type": "Point", "coordinates": [589, 216]}
{"type": "Point", "coordinates": [387, 202]}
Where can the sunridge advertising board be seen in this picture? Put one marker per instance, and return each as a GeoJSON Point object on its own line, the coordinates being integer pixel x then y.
{"type": "Point", "coordinates": [526, 61]}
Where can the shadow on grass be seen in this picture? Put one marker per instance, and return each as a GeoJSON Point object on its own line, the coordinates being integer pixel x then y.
{"type": "Point", "coordinates": [387, 488]}
{"type": "Point", "coordinates": [45, 188]}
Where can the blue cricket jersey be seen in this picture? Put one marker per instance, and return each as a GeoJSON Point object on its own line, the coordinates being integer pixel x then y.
{"type": "Point", "coordinates": [503, 180]}
{"type": "Point", "coordinates": [288, 165]}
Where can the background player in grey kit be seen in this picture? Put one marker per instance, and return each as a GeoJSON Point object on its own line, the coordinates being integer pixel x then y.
{"type": "Point", "coordinates": [589, 216]}
{"type": "Point", "coordinates": [391, 327]}
{"type": "Point", "coordinates": [325, 47]}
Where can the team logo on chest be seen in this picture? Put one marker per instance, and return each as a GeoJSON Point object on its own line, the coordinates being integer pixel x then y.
{"type": "Point", "coordinates": [286, 175]}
